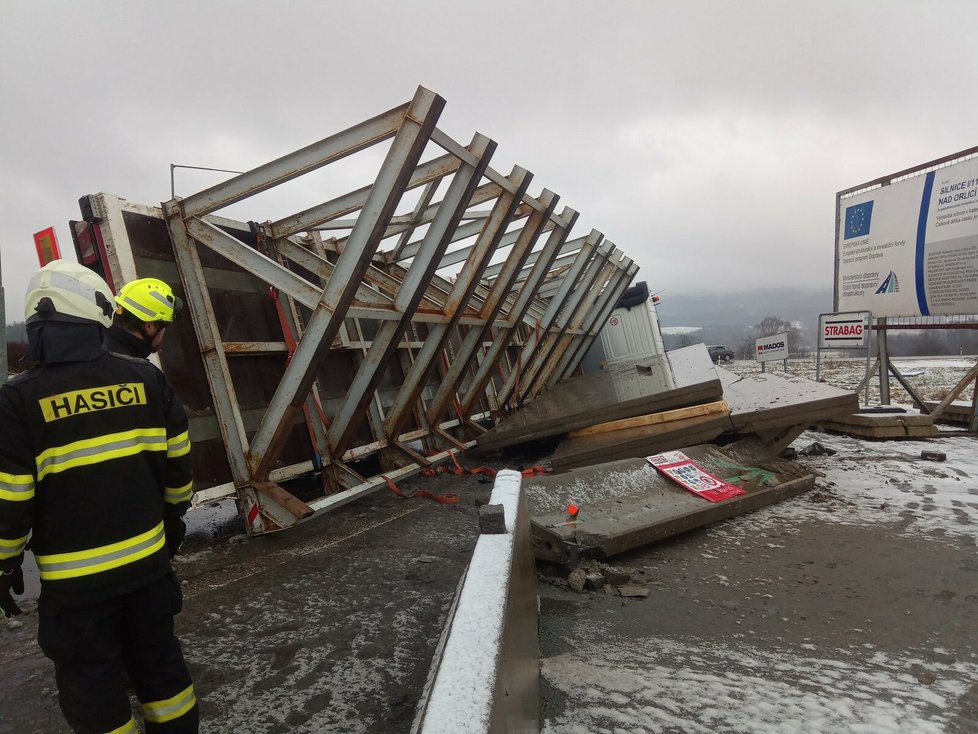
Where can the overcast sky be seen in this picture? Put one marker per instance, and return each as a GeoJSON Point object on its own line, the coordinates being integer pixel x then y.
{"type": "Point", "coordinates": [706, 139]}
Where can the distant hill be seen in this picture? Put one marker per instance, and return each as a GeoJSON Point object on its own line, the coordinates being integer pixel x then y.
{"type": "Point", "coordinates": [745, 308]}
{"type": "Point", "coordinates": [725, 318]}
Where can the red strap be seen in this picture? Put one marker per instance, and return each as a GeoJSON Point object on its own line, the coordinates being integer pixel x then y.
{"type": "Point", "coordinates": [444, 499]}
{"type": "Point", "coordinates": [458, 467]}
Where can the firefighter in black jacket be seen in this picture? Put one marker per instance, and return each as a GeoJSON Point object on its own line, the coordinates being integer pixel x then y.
{"type": "Point", "coordinates": [94, 465]}
{"type": "Point", "coordinates": [144, 308]}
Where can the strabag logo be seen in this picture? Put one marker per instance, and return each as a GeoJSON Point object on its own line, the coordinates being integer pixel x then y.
{"type": "Point", "coordinates": [844, 330]}
{"type": "Point", "coordinates": [890, 284]}
{"type": "Point", "coordinates": [66, 404]}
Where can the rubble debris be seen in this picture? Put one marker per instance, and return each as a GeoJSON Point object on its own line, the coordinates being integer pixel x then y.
{"type": "Point", "coordinates": [594, 580]}
{"type": "Point", "coordinates": [492, 519]}
{"type": "Point", "coordinates": [576, 579]}
{"type": "Point", "coordinates": [816, 448]}
{"type": "Point", "coordinates": [633, 592]}
{"type": "Point", "coordinates": [616, 576]}
{"type": "Point", "coordinates": [933, 455]}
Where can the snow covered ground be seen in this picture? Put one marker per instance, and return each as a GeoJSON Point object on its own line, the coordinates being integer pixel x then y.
{"type": "Point", "coordinates": [851, 608]}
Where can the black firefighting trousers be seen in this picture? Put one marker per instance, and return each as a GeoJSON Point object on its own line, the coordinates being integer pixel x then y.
{"type": "Point", "coordinates": [92, 645]}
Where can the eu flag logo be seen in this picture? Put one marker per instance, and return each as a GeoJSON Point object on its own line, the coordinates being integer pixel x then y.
{"type": "Point", "coordinates": [857, 219]}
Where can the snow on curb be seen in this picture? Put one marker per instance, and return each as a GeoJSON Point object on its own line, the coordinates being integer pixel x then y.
{"type": "Point", "coordinates": [470, 671]}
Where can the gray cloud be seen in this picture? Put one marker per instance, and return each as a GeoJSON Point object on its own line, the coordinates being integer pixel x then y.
{"type": "Point", "coordinates": [707, 139]}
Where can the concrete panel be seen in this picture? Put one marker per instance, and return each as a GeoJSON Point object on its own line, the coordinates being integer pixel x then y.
{"type": "Point", "coordinates": [573, 453]}
{"type": "Point", "coordinates": [626, 504]}
{"type": "Point", "coordinates": [770, 400]}
{"type": "Point", "coordinates": [622, 391]}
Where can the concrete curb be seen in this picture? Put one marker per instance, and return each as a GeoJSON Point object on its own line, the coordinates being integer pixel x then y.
{"type": "Point", "coordinates": [486, 673]}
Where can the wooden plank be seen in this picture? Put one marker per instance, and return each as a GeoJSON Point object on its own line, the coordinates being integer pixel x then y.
{"type": "Point", "coordinates": [719, 407]}
{"type": "Point", "coordinates": [573, 453]}
{"type": "Point", "coordinates": [285, 499]}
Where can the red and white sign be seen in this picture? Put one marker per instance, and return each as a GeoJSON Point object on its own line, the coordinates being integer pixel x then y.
{"type": "Point", "coordinates": [46, 243]}
{"type": "Point", "coordinates": [688, 474]}
{"type": "Point", "coordinates": [844, 330]}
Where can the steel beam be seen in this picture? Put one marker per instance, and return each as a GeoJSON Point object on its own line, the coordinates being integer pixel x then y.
{"type": "Point", "coordinates": [501, 340]}
{"type": "Point", "coordinates": [402, 158]}
{"type": "Point", "coordinates": [206, 328]}
{"type": "Point", "coordinates": [486, 192]}
{"type": "Point", "coordinates": [465, 285]}
{"type": "Point", "coordinates": [580, 291]}
{"type": "Point", "coordinates": [302, 161]}
{"type": "Point", "coordinates": [524, 242]}
{"type": "Point", "coordinates": [409, 295]}
{"type": "Point", "coordinates": [607, 305]}
{"type": "Point", "coordinates": [305, 258]}
{"type": "Point", "coordinates": [575, 330]}
{"type": "Point", "coordinates": [543, 325]}
{"type": "Point", "coordinates": [426, 173]}
{"type": "Point", "coordinates": [255, 262]}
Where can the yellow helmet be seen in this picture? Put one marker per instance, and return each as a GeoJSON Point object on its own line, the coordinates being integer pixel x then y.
{"type": "Point", "coordinates": [149, 300]}
{"type": "Point", "coordinates": [66, 291]}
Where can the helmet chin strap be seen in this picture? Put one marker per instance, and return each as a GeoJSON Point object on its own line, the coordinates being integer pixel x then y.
{"type": "Point", "coordinates": [144, 333]}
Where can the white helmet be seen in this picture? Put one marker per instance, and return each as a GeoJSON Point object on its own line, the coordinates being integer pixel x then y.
{"type": "Point", "coordinates": [67, 291]}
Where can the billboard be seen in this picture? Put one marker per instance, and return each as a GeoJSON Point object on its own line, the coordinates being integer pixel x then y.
{"type": "Point", "coordinates": [771, 348]}
{"type": "Point", "coordinates": [910, 248]}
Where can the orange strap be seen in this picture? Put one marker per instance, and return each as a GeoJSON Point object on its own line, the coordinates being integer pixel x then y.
{"type": "Point", "coordinates": [459, 470]}
{"type": "Point", "coordinates": [444, 499]}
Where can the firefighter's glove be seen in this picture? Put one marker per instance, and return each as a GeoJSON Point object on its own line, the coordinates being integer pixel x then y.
{"type": "Point", "coordinates": [175, 530]}
{"type": "Point", "coordinates": [11, 581]}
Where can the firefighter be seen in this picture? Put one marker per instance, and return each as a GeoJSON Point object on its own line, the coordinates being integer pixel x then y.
{"type": "Point", "coordinates": [144, 308]}
{"type": "Point", "coordinates": [94, 470]}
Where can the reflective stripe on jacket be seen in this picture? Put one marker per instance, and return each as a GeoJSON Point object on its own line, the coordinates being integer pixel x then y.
{"type": "Point", "coordinates": [95, 455]}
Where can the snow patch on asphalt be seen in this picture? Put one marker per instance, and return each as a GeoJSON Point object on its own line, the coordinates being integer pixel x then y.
{"type": "Point", "coordinates": [883, 483]}
{"type": "Point", "coordinates": [665, 685]}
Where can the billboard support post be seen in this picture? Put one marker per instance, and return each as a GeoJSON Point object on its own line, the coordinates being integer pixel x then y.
{"type": "Point", "coordinates": [884, 357]}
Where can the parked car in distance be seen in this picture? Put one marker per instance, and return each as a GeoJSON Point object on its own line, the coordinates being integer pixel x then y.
{"type": "Point", "coordinates": [718, 352]}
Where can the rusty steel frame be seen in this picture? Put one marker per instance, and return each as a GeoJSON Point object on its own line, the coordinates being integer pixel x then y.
{"type": "Point", "coordinates": [481, 301]}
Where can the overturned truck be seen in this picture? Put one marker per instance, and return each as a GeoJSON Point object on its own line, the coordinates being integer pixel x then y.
{"type": "Point", "coordinates": [374, 332]}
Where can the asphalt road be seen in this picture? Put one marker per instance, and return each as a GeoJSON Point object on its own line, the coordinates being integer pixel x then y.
{"type": "Point", "coordinates": [785, 620]}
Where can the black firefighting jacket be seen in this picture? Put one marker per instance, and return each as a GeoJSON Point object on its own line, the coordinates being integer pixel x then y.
{"type": "Point", "coordinates": [93, 456]}
{"type": "Point", "coordinates": [120, 341]}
